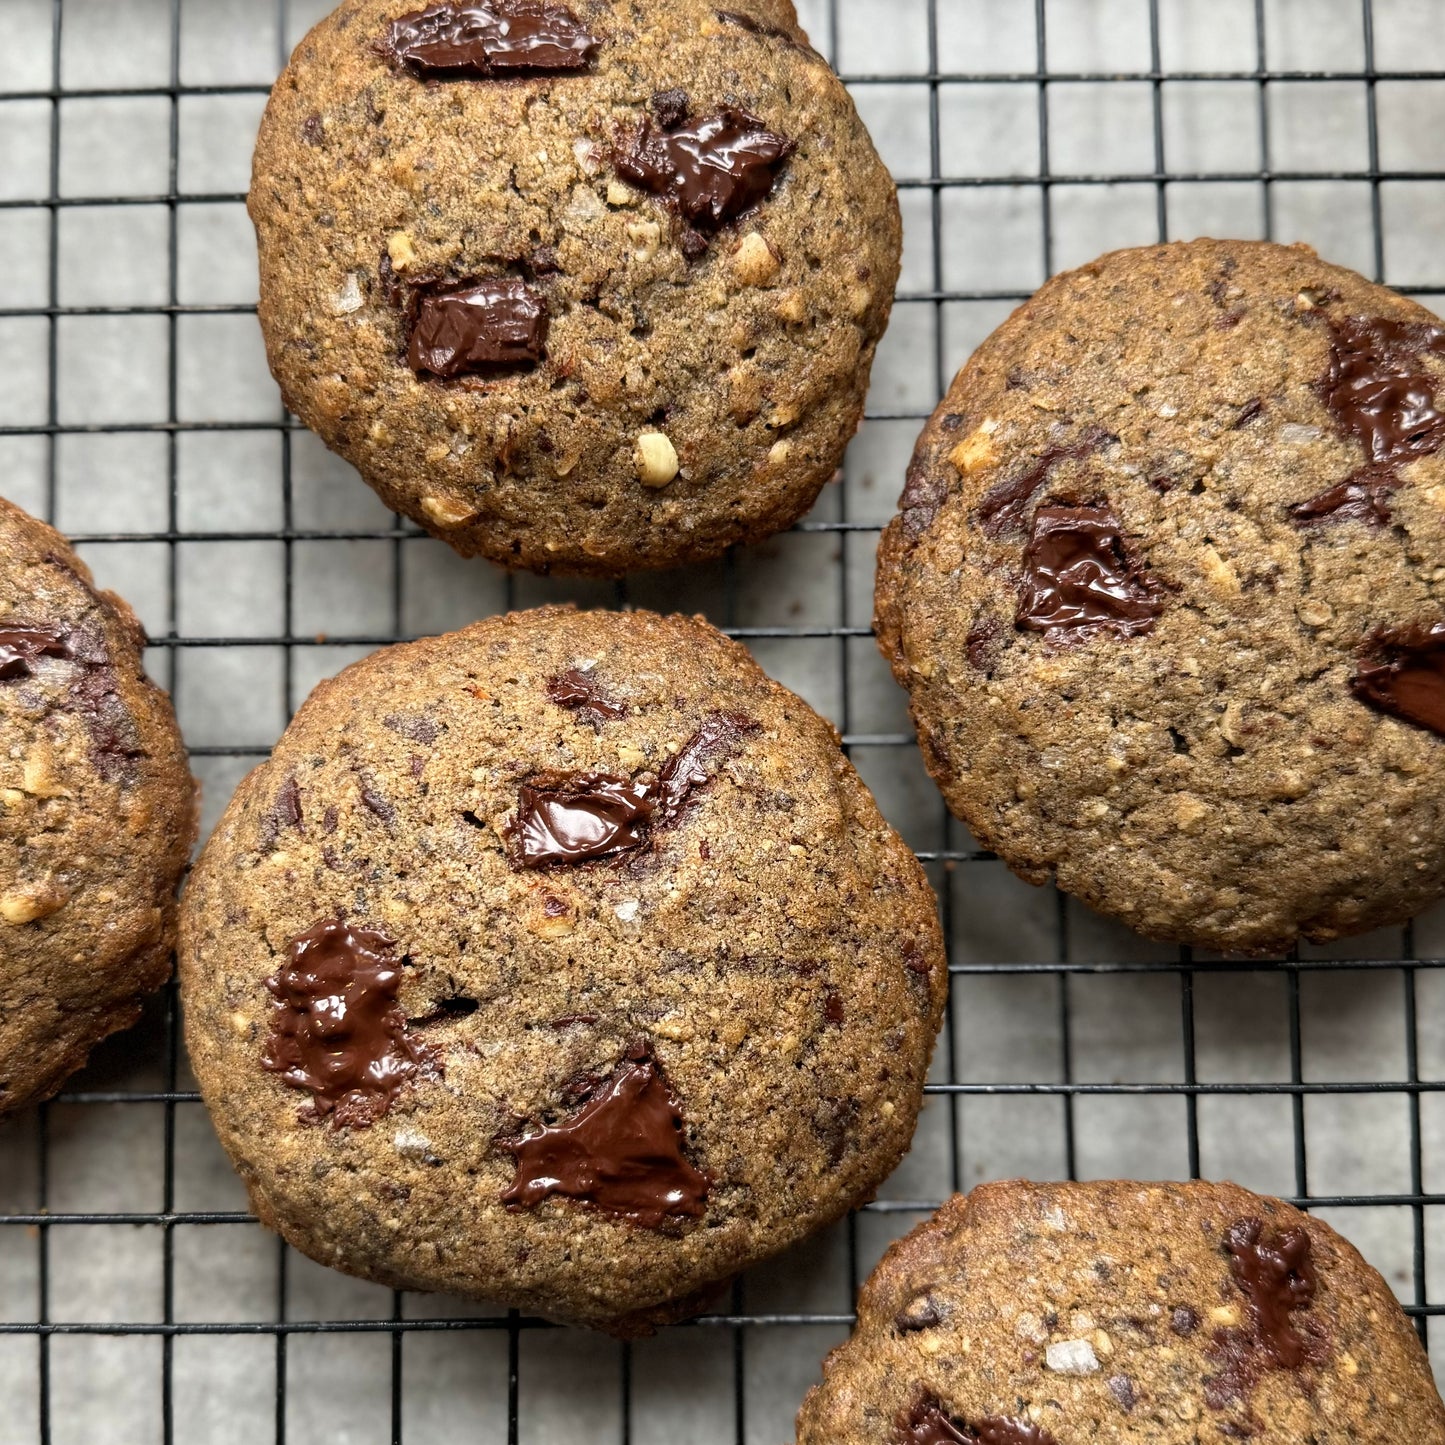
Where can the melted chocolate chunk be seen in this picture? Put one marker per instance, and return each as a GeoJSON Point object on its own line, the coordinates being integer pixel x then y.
{"type": "Point", "coordinates": [492, 40]}
{"type": "Point", "coordinates": [479, 327]}
{"type": "Point", "coordinates": [1403, 674]}
{"type": "Point", "coordinates": [1003, 508]}
{"type": "Point", "coordinates": [1365, 497]}
{"type": "Point", "coordinates": [337, 1029]}
{"type": "Point", "coordinates": [621, 1153]}
{"type": "Point", "coordinates": [1081, 576]}
{"type": "Point", "coordinates": [712, 170]}
{"type": "Point", "coordinates": [692, 766]}
{"type": "Point", "coordinates": [927, 1422]}
{"type": "Point", "coordinates": [581, 693]}
{"type": "Point", "coordinates": [1276, 1276]}
{"type": "Point", "coordinates": [21, 645]}
{"type": "Point", "coordinates": [595, 816]}
{"type": "Point", "coordinates": [590, 816]}
{"type": "Point", "coordinates": [1379, 389]}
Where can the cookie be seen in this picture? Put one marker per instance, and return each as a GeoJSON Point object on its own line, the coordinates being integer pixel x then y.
{"type": "Point", "coordinates": [97, 814]}
{"type": "Point", "coordinates": [593, 287]}
{"type": "Point", "coordinates": [1090, 1314]}
{"type": "Point", "coordinates": [563, 962]}
{"type": "Point", "coordinates": [1168, 591]}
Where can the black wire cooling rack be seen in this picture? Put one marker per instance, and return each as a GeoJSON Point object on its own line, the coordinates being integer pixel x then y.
{"type": "Point", "coordinates": [927, 187]}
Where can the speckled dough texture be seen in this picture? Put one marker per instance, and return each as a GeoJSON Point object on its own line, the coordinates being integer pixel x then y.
{"type": "Point", "coordinates": [1107, 1314]}
{"type": "Point", "coordinates": [751, 361]}
{"type": "Point", "coordinates": [1212, 780]}
{"type": "Point", "coordinates": [775, 949]}
{"type": "Point", "coordinates": [97, 816]}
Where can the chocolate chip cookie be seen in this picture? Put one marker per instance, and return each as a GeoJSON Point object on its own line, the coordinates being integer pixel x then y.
{"type": "Point", "coordinates": [97, 814]}
{"type": "Point", "coordinates": [1124, 1314]}
{"type": "Point", "coordinates": [1168, 591]}
{"type": "Point", "coordinates": [563, 962]}
{"type": "Point", "coordinates": [591, 287]}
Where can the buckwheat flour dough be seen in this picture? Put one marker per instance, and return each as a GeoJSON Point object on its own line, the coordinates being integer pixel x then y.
{"type": "Point", "coordinates": [1168, 591]}
{"type": "Point", "coordinates": [591, 287]}
{"type": "Point", "coordinates": [1124, 1314]}
{"type": "Point", "coordinates": [563, 962]}
{"type": "Point", "coordinates": [97, 814]}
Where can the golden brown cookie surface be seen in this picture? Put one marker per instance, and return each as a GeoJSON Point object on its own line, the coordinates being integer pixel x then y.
{"type": "Point", "coordinates": [97, 814]}
{"type": "Point", "coordinates": [637, 987]}
{"type": "Point", "coordinates": [597, 295]}
{"type": "Point", "coordinates": [1167, 589]}
{"type": "Point", "coordinates": [1118, 1313]}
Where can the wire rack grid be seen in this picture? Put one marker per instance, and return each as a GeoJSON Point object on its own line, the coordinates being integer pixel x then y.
{"type": "Point", "coordinates": [138, 1299]}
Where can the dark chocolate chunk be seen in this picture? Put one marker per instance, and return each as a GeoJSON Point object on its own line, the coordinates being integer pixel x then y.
{"type": "Point", "coordinates": [691, 768]}
{"type": "Point", "coordinates": [982, 642]}
{"type": "Point", "coordinates": [1403, 673]}
{"type": "Point", "coordinates": [671, 108]}
{"type": "Point", "coordinates": [581, 693]}
{"type": "Point", "coordinates": [1081, 576]}
{"type": "Point", "coordinates": [1003, 508]}
{"type": "Point", "coordinates": [1248, 412]}
{"type": "Point", "coordinates": [376, 804]}
{"type": "Point", "coordinates": [621, 1153]}
{"type": "Point", "coordinates": [1276, 1276]}
{"type": "Point", "coordinates": [1183, 1321]}
{"type": "Point", "coordinates": [712, 170]}
{"type": "Point", "coordinates": [115, 742]}
{"type": "Point", "coordinates": [419, 728]}
{"type": "Point", "coordinates": [1365, 497]}
{"type": "Point", "coordinates": [923, 496]}
{"type": "Point", "coordinates": [284, 813]}
{"type": "Point", "coordinates": [1379, 389]}
{"type": "Point", "coordinates": [337, 1029]}
{"type": "Point", "coordinates": [589, 816]}
{"type": "Point", "coordinates": [491, 40]}
{"type": "Point", "coordinates": [22, 644]}
{"type": "Point", "coordinates": [923, 1313]}
{"type": "Point", "coordinates": [481, 326]}
{"type": "Point", "coordinates": [1121, 1387]}
{"type": "Point", "coordinates": [927, 1422]}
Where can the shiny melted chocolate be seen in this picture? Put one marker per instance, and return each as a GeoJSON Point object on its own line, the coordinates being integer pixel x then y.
{"type": "Point", "coordinates": [1364, 497]}
{"type": "Point", "coordinates": [479, 327]}
{"type": "Point", "coordinates": [337, 1029]}
{"type": "Point", "coordinates": [1002, 509]}
{"type": "Point", "coordinates": [580, 692]}
{"type": "Point", "coordinates": [621, 1153]}
{"type": "Point", "coordinates": [693, 764]}
{"type": "Point", "coordinates": [491, 40]}
{"type": "Point", "coordinates": [712, 169]}
{"type": "Point", "coordinates": [1080, 577]}
{"type": "Point", "coordinates": [590, 816]}
{"type": "Point", "coordinates": [1380, 391]}
{"type": "Point", "coordinates": [21, 644]}
{"type": "Point", "coordinates": [927, 1422]}
{"type": "Point", "coordinates": [1403, 674]}
{"type": "Point", "coordinates": [1275, 1273]}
